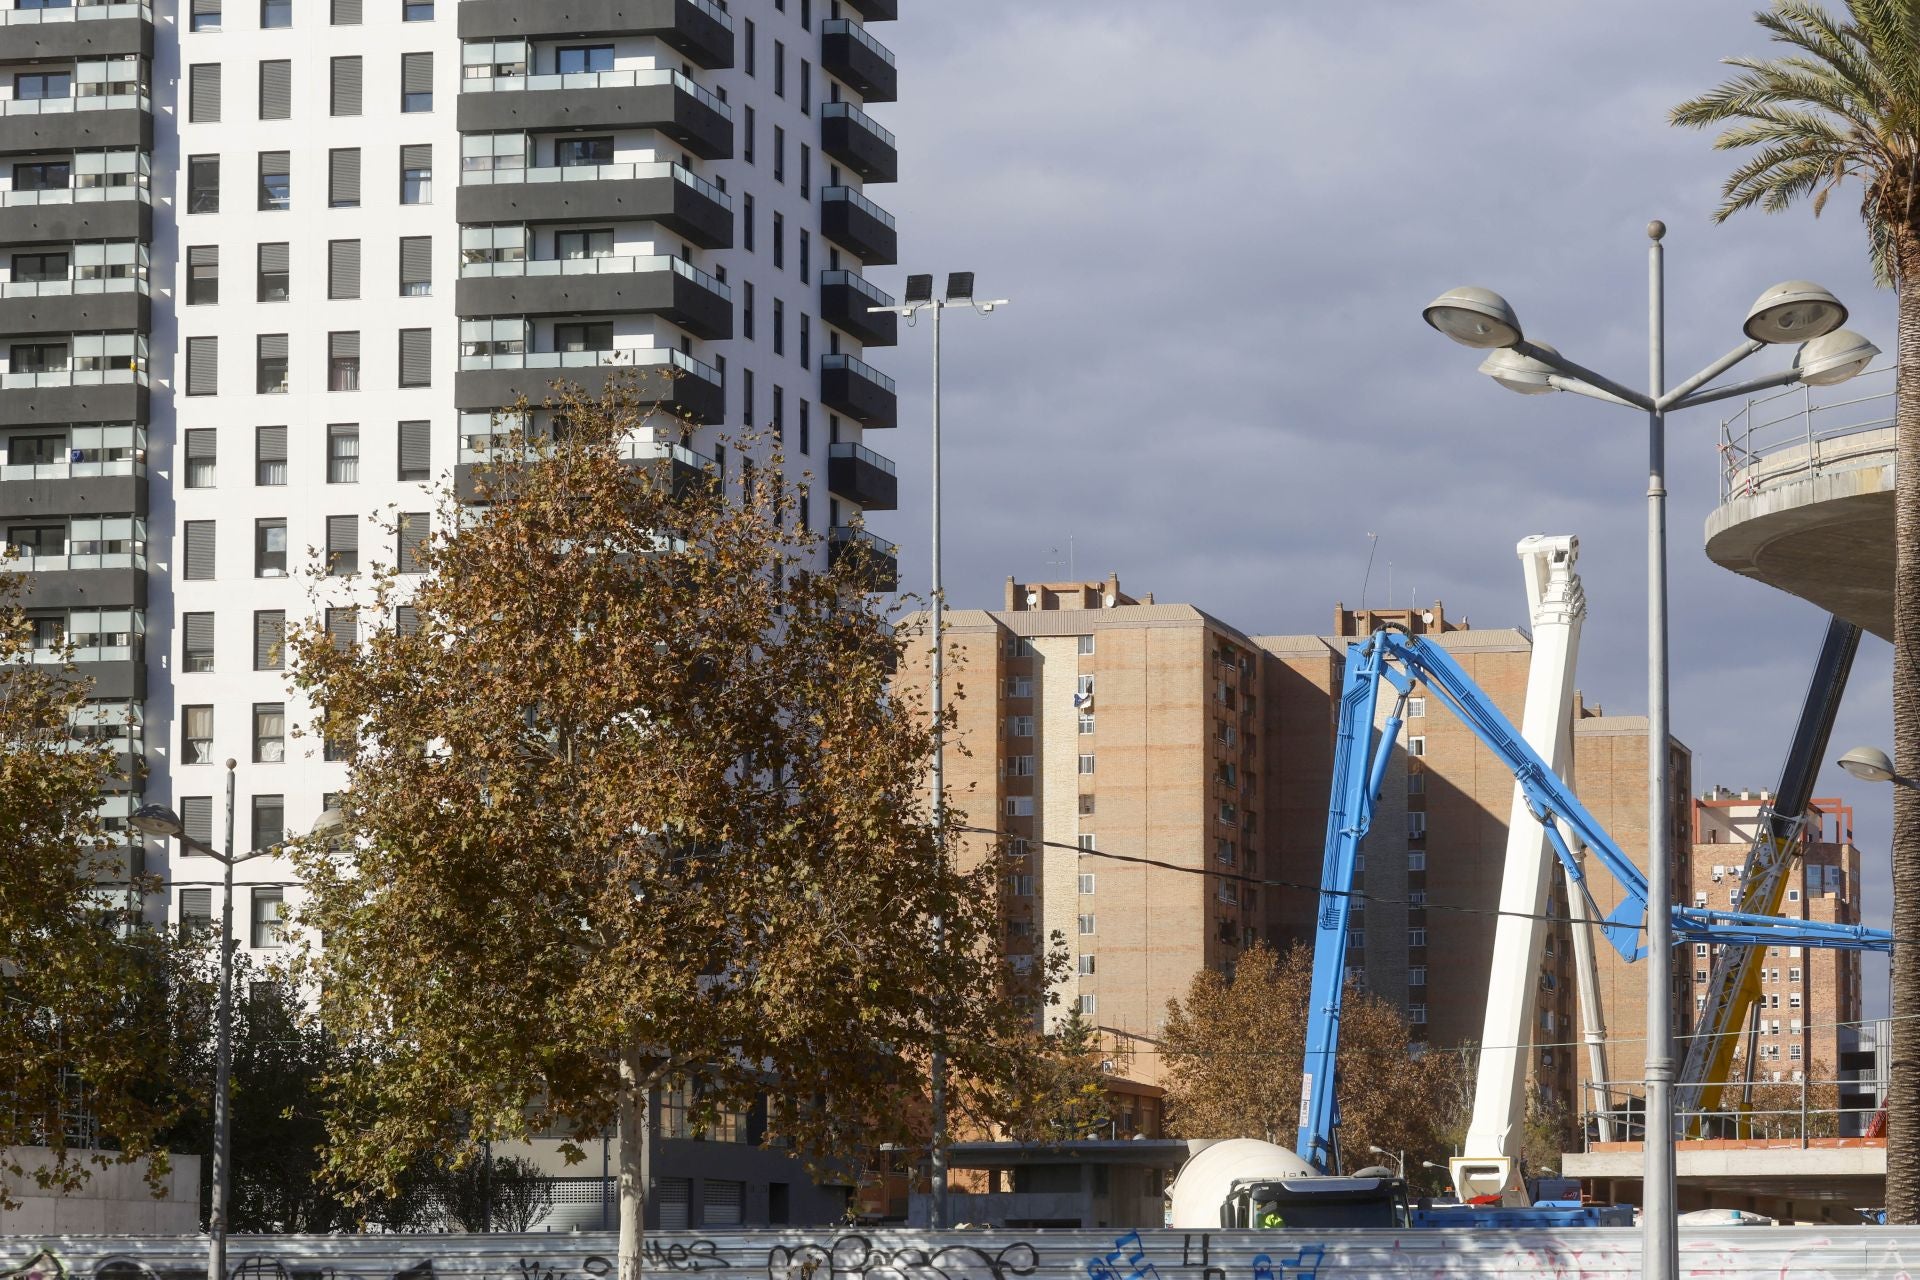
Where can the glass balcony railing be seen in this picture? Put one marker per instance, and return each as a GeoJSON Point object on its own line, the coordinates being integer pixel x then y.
{"type": "Point", "coordinates": [858, 201]}
{"type": "Point", "coordinates": [117, 554]}
{"type": "Point", "coordinates": [857, 283]}
{"type": "Point", "coordinates": [846, 449]}
{"type": "Point", "coordinates": [617, 358]}
{"type": "Point", "coordinates": [834, 110]}
{"type": "Point", "coordinates": [71, 288]}
{"type": "Point", "coordinates": [611, 264]}
{"type": "Point", "coordinates": [850, 535]}
{"type": "Point", "coordinates": [77, 195]}
{"type": "Point", "coordinates": [633, 79]}
{"type": "Point", "coordinates": [80, 11]}
{"type": "Point", "coordinates": [842, 27]}
{"type": "Point", "coordinates": [96, 377]}
{"type": "Point", "coordinates": [485, 446]}
{"type": "Point", "coordinates": [624, 172]}
{"type": "Point", "coordinates": [855, 365]}
{"type": "Point", "coordinates": [74, 470]}
{"type": "Point", "coordinates": [713, 11]}
{"type": "Point", "coordinates": [123, 99]}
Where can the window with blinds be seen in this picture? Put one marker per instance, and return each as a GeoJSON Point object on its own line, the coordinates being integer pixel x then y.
{"type": "Point", "coordinates": [344, 99]}
{"type": "Point", "coordinates": [276, 184]}
{"type": "Point", "coordinates": [416, 173]}
{"type": "Point", "coordinates": [276, 89]}
{"type": "Point", "coordinates": [416, 451]}
{"type": "Point", "coordinates": [416, 266]}
{"type": "Point", "coordinates": [196, 905]}
{"type": "Point", "coordinates": [203, 93]}
{"type": "Point", "coordinates": [416, 82]}
{"type": "Point", "coordinates": [343, 545]}
{"type": "Point", "coordinates": [343, 268]}
{"type": "Point", "coordinates": [346, 13]}
{"type": "Point", "coordinates": [196, 815]}
{"type": "Point", "coordinates": [203, 275]}
{"type": "Point", "coordinates": [196, 644]}
{"type": "Point", "coordinates": [198, 536]}
{"type": "Point", "coordinates": [416, 357]}
{"type": "Point", "coordinates": [270, 640]}
{"type": "Point", "coordinates": [203, 366]}
{"type": "Point", "coordinates": [270, 455]}
{"type": "Point", "coordinates": [205, 15]}
{"type": "Point", "coordinates": [202, 449]}
{"type": "Point", "coordinates": [412, 531]}
{"type": "Point", "coordinates": [406, 620]}
{"type": "Point", "coordinates": [343, 177]}
{"type": "Point", "coordinates": [343, 453]}
{"type": "Point", "coordinates": [271, 364]}
{"type": "Point", "coordinates": [343, 361]}
{"type": "Point", "coordinates": [274, 278]}
{"type": "Point", "coordinates": [343, 626]}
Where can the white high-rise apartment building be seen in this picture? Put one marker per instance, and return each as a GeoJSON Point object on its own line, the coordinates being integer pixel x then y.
{"type": "Point", "coordinates": [268, 269]}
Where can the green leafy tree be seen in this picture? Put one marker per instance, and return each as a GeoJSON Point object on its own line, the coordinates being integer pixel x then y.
{"type": "Point", "coordinates": [1233, 1051]}
{"type": "Point", "coordinates": [1056, 1090]}
{"type": "Point", "coordinates": [1843, 105]}
{"type": "Point", "coordinates": [92, 1010]}
{"type": "Point", "coordinates": [631, 801]}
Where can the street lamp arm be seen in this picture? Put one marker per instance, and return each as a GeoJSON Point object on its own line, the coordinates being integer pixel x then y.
{"type": "Point", "coordinates": [1560, 382]}
{"type": "Point", "coordinates": [1548, 356]}
{"type": "Point", "coordinates": [1673, 397]}
{"type": "Point", "coordinates": [1708, 396]}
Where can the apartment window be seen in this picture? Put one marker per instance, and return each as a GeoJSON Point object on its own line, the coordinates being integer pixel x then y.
{"type": "Point", "coordinates": [1793, 895]}
{"type": "Point", "coordinates": [1022, 726]}
{"type": "Point", "coordinates": [746, 396]}
{"type": "Point", "coordinates": [196, 735]}
{"type": "Point", "coordinates": [1417, 1014]}
{"type": "Point", "coordinates": [416, 82]}
{"type": "Point", "coordinates": [273, 276]}
{"type": "Point", "coordinates": [1416, 784]}
{"type": "Point", "coordinates": [203, 275]}
{"type": "Point", "coordinates": [196, 646]}
{"type": "Point", "coordinates": [269, 642]}
{"type": "Point", "coordinates": [806, 409]}
{"type": "Point", "coordinates": [205, 16]}
{"type": "Point", "coordinates": [751, 47]}
{"type": "Point", "coordinates": [746, 224]}
{"type": "Point", "coordinates": [1085, 842]}
{"type": "Point", "coordinates": [806, 183]}
{"type": "Point", "coordinates": [1019, 686]}
{"type": "Point", "coordinates": [416, 266]}
{"type": "Point", "coordinates": [416, 11]}
{"type": "Point", "coordinates": [416, 451]}
{"type": "Point", "coordinates": [581, 152]}
{"type": "Point", "coordinates": [203, 93]}
{"type": "Point", "coordinates": [276, 186]}
{"type": "Point", "coordinates": [1019, 806]}
{"type": "Point", "coordinates": [749, 131]}
{"type": "Point", "coordinates": [270, 456]}
{"type": "Point", "coordinates": [270, 364]}
{"type": "Point", "coordinates": [412, 533]}
{"type": "Point", "coordinates": [1417, 975]}
{"type": "Point", "coordinates": [203, 366]}
{"type": "Point", "coordinates": [196, 905]}
{"type": "Point", "coordinates": [203, 184]}
{"type": "Point", "coordinates": [779, 174]}
{"type": "Point", "coordinates": [806, 86]}
{"type": "Point", "coordinates": [1086, 763]}
{"type": "Point", "coordinates": [198, 535]}
{"type": "Point", "coordinates": [343, 178]}
{"type": "Point", "coordinates": [1086, 966]}
{"type": "Point", "coordinates": [276, 13]}
{"type": "Point", "coordinates": [276, 89]}
{"type": "Point", "coordinates": [1019, 766]}
{"type": "Point", "coordinates": [1793, 975]}
{"type": "Point", "coordinates": [1416, 860]}
{"type": "Point", "coordinates": [416, 356]}
{"type": "Point", "coordinates": [346, 13]}
{"type": "Point", "coordinates": [269, 721]}
{"type": "Point", "coordinates": [1085, 645]}
{"type": "Point", "coordinates": [416, 173]}
{"type": "Point", "coordinates": [269, 905]}
{"type": "Point", "coordinates": [1416, 826]}
{"type": "Point", "coordinates": [1087, 923]}
{"type": "Point", "coordinates": [1020, 886]}
{"type": "Point", "coordinates": [406, 620]}
{"type": "Point", "coordinates": [1416, 937]}
{"type": "Point", "coordinates": [1082, 690]}
{"type": "Point", "coordinates": [343, 361]}
{"type": "Point", "coordinates": [1089, 1005]}
{"type": "Point", "coordinates": [343, 453]}
{"type": "Point", "coordinates": [270, 548]}
{"type": "Point", "coordinates": [342, 625]}
{"type": "Point", "coordinates": [1793, 1000]}
{"type": "Point", "coordinates": [1416, 746]}
{"type": "Point", "coordinates": [343, 269]}
{"type": "Point", "coordinates": [1356, 939]}
{"type": "Point", "coordinates": [1416, 708]}
{"type": "Point", "coordinates": [779, 69]}
{"type": "Point", "coordinates": [1699, 975]}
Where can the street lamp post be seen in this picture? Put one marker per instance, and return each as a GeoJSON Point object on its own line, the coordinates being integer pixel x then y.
{"type": "Point", "coordinates": [919, 297]}
{"type": "Point", "coordinates": [1871, 764]}
{"type": "Point", "coordinates": [1794, 312]}
{"type": "Point", "coordinates": [158, 820]}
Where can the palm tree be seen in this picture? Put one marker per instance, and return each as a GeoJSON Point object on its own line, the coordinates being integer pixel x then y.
{"type": "Point", "coordinates": [1844, 104]}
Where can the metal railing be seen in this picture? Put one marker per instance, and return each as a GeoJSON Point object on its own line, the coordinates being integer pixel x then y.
{"type": "Point", "coordinates": [609, 264]}
{"type": "Point", "coordinates": [69, 288]}
{"type": "Point", "coordinates": [73, 470]}
{"type": "Point", "coordinates": [74, 378]}
{"type": "Point", "coordinates": [858, 201]}
{"type": "Point", "coordinates": [846, 110]}
{"type": "Point", "coordinates": [482, 447]}
{"type": "Point", "coordinates": [80, 11]}
{"type": "Point", "coordinates": [849, 535]}
{"type": "Point", "coordinates": [127, 100]}
{"type": "Point", "coordinates": [78, 195]}
{"type": "Point", "coordinates": [616, 358]}
{"type": "Point", "coordinates": [858, 283]}
{"type": "Point", "coordinates": [855, 365]}
{"type": "Point", "coordinates": [637, 78]}
{"type": "Point", "coordinates": [23, 560]}
{"type": "Point", "coordinates": [842, 27]}
{"type": "Point", "coordinates": [714, 11]}
{"type": "Point", "coordinates": [1800, 433]}
{"type": "Point", "coordinates": [1784, 1111]}
{"type": "Point", "coordinates": [845, 449]}
{"type": "Point", "coordinates": [625, 171]}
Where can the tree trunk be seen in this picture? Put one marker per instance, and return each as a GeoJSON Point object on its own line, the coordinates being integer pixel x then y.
{"type": "Point", "coordinates": [636, 1085]}
{"type": "Point", "coordinates": [1903, 1086]}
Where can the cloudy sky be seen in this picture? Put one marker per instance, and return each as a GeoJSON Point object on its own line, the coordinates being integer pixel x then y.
{"type": "Point", "coordinates": [1219, 220]}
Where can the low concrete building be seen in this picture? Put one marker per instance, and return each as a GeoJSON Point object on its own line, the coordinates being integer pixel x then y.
{"type": "Point", "coordinates": [1100, 1183]}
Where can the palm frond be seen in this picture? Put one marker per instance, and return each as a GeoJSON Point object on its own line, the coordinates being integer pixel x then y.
{"type": "Point", "coordinates": [1773, 179]}
{"type": "Point", "coordinates": [1890, 32]}
{"type": "Point", "coordinates": [1836, 44]}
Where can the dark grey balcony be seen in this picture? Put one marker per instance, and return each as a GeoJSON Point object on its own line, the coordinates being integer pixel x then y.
{"type": "Point", "coordinates": [77, 31]}
{"type": "Point", "coordinates": [861, 476]}
{"type": "Point", "coordinates": [77, 124]}
{"type": "Point", "coordinates": [875, 558]}
{"type": "Point", "coordinates": [85, 588]}
{"type": "Point", "coordinates": [660, 286]}
{"type": "Point", "coordinates": [855, 388]}
{"type": "Point", "coordinates": [117, 680]}
{"type": "Point", "coordinates": [856, 140]}
{"type": "Point", "coordinates": [678, 384]}
{"type": "Point", "coordinates": [844, 302]}
{"type": "Point", "coordinates": [860, 61]}
{"type": "Point", "coordinates": [859, 226]}
{"type": "Point", "coordinates": [49, 398]}
{"type": "Point", "coordinates": [95, 213]}
{"type": "Point", "coordinates": [53, 307]}
{"type": "Point", "coordinates": [63, 495]}
{"type": "Point", "coordinates": [651, 99]}
{"type": "Point", "coordinates": [875, 10]}
{"type": "Point", "coordinates": [685, 468]}
{"type": "Point", "coordinates": [668, 194]}
{"type": "Point", "coordinates": [696, 28]}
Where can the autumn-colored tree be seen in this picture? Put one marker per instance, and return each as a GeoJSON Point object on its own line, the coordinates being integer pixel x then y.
{"type": "Point", "coordinates": [1056, 1090]}
{"type": "Point", "coordinates": [93, 1012]}
{"type": "Point", "coordinates": [1775, 1107]}
{"type": "Point", "coordinates": [1232, 1051]}
{"type": "Point", "coordinates": [630, 802]}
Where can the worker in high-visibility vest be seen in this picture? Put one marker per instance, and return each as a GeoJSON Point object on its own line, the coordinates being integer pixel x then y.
{"type": "Point", "coordinates": [1266, 1215]}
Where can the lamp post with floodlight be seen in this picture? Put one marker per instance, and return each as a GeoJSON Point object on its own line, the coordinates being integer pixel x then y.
{"type": "Point", "coordinates": [919, 297]}
{"type": "Point", "coordinates": [1795, 312]}
{"type": "Point", "coordinates": [158, 820]}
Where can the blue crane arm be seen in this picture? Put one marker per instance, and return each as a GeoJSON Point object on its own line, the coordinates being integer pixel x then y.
{"type": "Point", "coordinates": [1359, 764]}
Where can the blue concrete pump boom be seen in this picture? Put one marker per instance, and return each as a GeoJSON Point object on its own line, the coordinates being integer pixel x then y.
{"type": "Point", "coordinates": [1360, 763]}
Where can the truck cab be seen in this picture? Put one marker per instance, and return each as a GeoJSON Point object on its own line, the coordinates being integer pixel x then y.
{"type": "Point", "coordinates": [1294, 1203]}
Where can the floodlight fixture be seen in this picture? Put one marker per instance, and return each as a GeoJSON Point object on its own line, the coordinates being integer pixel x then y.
{"type": "Point", "coordinates": [960, 286]}
{"type": "Point", "coordinates": [1474, 317]}
{"type": "Point", "coordinates": [1794, 311]}
{"type": "Point", "coordinates": [1833, 357]}
{"type": "Point", "coordinates": [919, 289]}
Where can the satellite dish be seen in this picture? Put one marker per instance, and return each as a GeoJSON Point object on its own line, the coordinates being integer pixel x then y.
{"type": "Point", "coordinates": [1033, 599]}
{"type": "Point", "coordinates": [1110, 600]}
{"type": "Point", "coordinates": [1427, 617]}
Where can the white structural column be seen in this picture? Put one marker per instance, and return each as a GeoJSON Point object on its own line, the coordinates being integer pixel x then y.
{"type": "Point", "coordinates": [1557, 606]}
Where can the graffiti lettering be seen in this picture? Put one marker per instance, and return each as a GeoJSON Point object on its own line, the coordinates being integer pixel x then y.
{"type": "Point", "coordinates": [1128, 1252]}
{"type": "Point", "coordinates": [1303, 1265]}
{"type": "Point", "coordinates": [694, 1255]}
{"type": "Point", "coordinates": [858, 1258]}
{"type": "Point", "coordinates": [44, 1265]}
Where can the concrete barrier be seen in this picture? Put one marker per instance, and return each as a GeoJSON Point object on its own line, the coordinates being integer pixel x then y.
{"type": "Point", "coordinates": [858, 1254]}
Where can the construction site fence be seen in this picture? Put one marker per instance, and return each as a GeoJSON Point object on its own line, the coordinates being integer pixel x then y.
{"type": "Point", "coordinates": [852, 1253]}
{"type": "Point", "coordinates": [1784, 1110]}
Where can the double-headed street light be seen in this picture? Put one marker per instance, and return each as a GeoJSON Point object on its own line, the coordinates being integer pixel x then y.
{"type": "Point", "coordinates": [1795, 312]}
{"type": "Point", "coordinates": [158, 820]}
